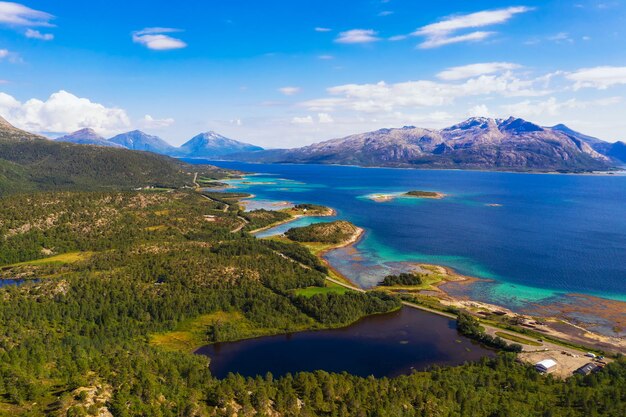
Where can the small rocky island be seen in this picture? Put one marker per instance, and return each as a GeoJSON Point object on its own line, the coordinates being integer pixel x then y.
{"type": "Point", "coordinates": [425, 194]}
{"type": "Point", "coordinates": [383, 198]}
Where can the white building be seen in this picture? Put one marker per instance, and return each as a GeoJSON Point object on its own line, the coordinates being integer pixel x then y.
{"type": "Point", "coordinates": [545, 365]}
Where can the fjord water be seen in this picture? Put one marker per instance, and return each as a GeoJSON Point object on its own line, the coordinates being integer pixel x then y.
{"type": "Point", "coordinates": [385, 345]}
{"type": "Point", "coordinates": [537, 236]}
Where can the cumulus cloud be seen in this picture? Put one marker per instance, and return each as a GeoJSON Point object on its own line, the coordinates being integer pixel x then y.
{"type": "Point", "coordinates": [468, 71]}
{"type": "Point", "coordinates": [445, 31]}
{"type": "Point", "coordinates": [35, 34]}
{"type": "Point", "coordinates": [384, 97]}
{"type": "Point", "coordinates": [321, 29]}
{"type": "Point", "coordinates": [157, 39]}
{"type": "Point", "coordinates": [357, 36]}
{"type": "Point", "coordinates": [306, 120]}
{"type": "Point", "coordinates": [479, 110]}
{"type": "Point", "coordinates": [62, 112]}
{"type": "Point", "coordinates": [289, 91]}
{"type": "Point", "coordinates": [598, 77]}
{"type": "Point", "coordinates": [15, 14]}
{"type": "Point", "coordinates": [150, 122]}
{"type": "Point", "coordinates": [4, 53]}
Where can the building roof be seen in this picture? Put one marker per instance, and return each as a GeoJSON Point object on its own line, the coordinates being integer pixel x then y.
{"type": "Point", "coordinates": [586, 369]}
{"type": "Point", "coordinates": [546, 363]}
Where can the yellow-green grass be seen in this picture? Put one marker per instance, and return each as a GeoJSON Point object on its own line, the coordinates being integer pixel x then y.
{"type": "Point", "coordinates": [64, 258]}
{"type": "Point", "coordinates": [190, 334]}
{"type": "Point", "coordinates": [517, 339]}
{"type": "Point", "coordinates": [330, 288]}
{"type": "Point", "coordinates": [155, 228]}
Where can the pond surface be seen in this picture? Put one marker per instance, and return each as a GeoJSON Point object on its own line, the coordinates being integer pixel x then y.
{"type": "Point", "coordinates": [7, 282]}
{"type": "Point", "coordinates": [385, 345]}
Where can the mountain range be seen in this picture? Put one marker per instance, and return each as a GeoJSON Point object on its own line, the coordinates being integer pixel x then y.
{"type": "Point", "coordinates": [477, 143]}
{"type": "Point", "coordinates": [30, 162]}
{"type": "Point", "coordinates": [204, 145]}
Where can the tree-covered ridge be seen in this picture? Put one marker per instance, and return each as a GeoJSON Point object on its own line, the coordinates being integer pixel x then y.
{"type": "Point", "coordinates": [258, 219]}
{"type": "Point", "coordinates": [327, 232]}
{"type": "Point", "coordinates": [30, 162]}
{"type": "Point", "coordinates": [152, 260]}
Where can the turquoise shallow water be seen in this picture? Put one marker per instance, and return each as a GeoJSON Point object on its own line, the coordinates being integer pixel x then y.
{"type": "Point", "coordinates": [536, 238]}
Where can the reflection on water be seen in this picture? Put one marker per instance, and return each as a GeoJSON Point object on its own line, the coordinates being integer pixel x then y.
{"type": "Point", "coordinates": [384, 345]}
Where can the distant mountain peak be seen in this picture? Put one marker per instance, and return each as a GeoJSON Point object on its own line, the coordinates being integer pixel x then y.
{"type": "Point", "coordinates": [87, 136]}
{"type": "Point", "coordinates": [211, 143]}
{"type": "Point", "coordinates": [474, 123]}
{"type": "Point", "coordinates": [517, 125]}
{"type": "Point", "coordinates": [85, 133]}
{"type": "Point", "coordinates": [141, 141]}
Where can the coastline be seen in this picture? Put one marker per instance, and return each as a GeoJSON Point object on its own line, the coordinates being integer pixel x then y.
{"type": "Point", "coordinates": [556, 327]}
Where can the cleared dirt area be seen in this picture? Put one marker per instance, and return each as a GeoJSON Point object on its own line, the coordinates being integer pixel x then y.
{"type": "Point", "coordinates": [568, 360]}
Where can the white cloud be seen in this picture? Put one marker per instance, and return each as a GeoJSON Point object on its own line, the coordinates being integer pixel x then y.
{"type": "Point", "coordinates": [470, 37]}
{"type": "Point", "coordinates": [554, 107]}
{"type": "Point", "coordinates": [62, 112]}
{"type": "Point", "coordinates": [324, 118]}
{"type": "Point", "coordinates": [150, 122]}
{"type": "Point", "coordinates": [479, 110]}
{"type": "Point", "coordinates": [289, 91]}
{"type": "Point", "coordinates": [385, 13]}
{"type": "Point", "coordinates": [468, 71]}
{"type": "Point", "coordinates": [444, 32]}
{"type": "Point", "coordinates": [307, 120]}
{"type": "Point", "coordinates": [561, 37]}
{"type": "Point", "coordinates": [320, 29]}
{"type": "Point", "coordinates": [358, 36]}
{"type": "Point", "coordinates": [598, 77]}
{"type": "Point", "coordinates": [15, 14]}
{"type": "Point", "coordinates": [383, 97]}
{"type": "Point", "coordinates": [156, 39]}
{"type": "Point", "coordinates": [35, 34]}
{"type": "Point", "coordinates": [325, 57]}
{"type": "Point", "coordinates": [12, 57]}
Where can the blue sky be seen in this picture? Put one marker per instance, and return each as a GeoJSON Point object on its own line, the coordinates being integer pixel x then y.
{"type": "Point", "coordinates": [284, 74]}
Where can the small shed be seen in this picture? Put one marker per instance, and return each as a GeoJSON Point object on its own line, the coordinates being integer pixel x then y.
{"type": "Point", "coordinates": [587, 369]}
{"type": "Point", "coordinates": [545, 365]}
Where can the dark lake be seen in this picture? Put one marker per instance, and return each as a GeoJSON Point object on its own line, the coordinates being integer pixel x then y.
{"type": "Point", "coordinates": [385, 345]}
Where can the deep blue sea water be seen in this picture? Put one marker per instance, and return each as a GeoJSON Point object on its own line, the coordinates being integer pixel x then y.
{"type": "Point", "coordinates": [537, 236]}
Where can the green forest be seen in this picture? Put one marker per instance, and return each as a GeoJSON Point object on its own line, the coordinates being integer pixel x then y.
{"type": "Point", "coordinates": [105, 274]}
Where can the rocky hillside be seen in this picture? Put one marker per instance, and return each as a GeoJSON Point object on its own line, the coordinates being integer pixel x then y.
{"type": "Point", "coordinates": [140, 141]}
{"type": "Point", "coordinates": [477, 143]}
{"type": "Point", "coordinates": [616, 151]}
